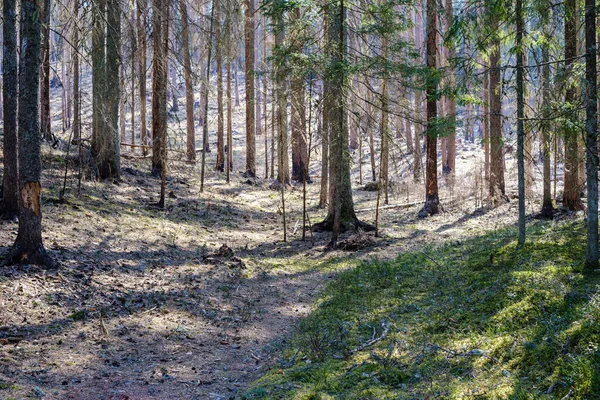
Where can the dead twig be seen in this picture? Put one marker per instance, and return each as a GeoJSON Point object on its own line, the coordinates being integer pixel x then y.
{"type": "Point", "coordinates": [384, 333]}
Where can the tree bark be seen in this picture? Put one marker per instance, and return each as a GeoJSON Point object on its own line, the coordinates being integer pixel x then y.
{"type": "Point", "coordinates": [141, 30]}
{"type": "Point", "coordinates": [160, 37]}
{"type": "Point", "coordinates": [520, 120]}
{"type": "Point", "coordinates": [432, 201]}
{"type": "Point", "coordinates": [10, 184]}
{"type": "Point", "coordinates": [299, 151]}
{"type": "Point", "coordinates": [112, 162]}
{"type": "Point", "coordinates": [189, 87]}
{"type": "Point", "coordinates": [220, 166]}
{"type": "Point", "coordinates": [451, 111]}
{"type": "Point", "coordinates": [591, 129]}
{"type": "Point", "coordinates": [45, 92]}
{"type": "Point", "coordinates": [547, 205]}
{"type": "Point", "coordinates": [76, 92]}
{"type": "Point", "coordinates": [283, 164]}
{"type": "Point", "coordinates": [497, 186]}
{"type": "Point", "coordinates": [572, 190]}
{"type": "Point", "coordinates": [249, 81]}
{"type": "Point", "coordinates": [28, 247]}
{"type": "Point", "coordinates": [341, 215]}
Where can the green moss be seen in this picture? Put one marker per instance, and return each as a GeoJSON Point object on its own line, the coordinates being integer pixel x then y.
{"type": "Point", "coordinates": [480, 320]}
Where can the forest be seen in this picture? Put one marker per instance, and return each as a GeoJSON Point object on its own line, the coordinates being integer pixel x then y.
{"type": "Point", "coordinates": [299, 199]}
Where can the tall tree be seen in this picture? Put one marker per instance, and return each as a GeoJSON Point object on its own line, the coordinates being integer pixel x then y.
{"type": "Point", "coordinates": [432, 201]}
{"type": "Point", "coordinates": [547, 206]}
{"type": "Point", "coordinates": [45, 92]}
{"type": "Point", "coordinates": [591, 129]}
{"type": "Point", "coordinates": [297, 92]}
{"type": "Point", "coordinates": [10, 183]}
{"type": "Point", "coordinates": [340, 215]}
{"type": "Point", "coordinates": [76, 92]}
{"type": "Point", "coordinates": [249, 82]}
{"type": "Point", "coordinates": [141, 33]}
{"type": "Point", "coordinates": [220, 166]}
{"type": "Point", "coordinates": [451, 100]}
{"type": "Point", "coordinates": [189, 88]}
{"type": "Point", "coordinates": [572, 190]}
{"type": "Point", "coordinates": [28, 247]}
{"type": "Point", "coordinates": [281, 99]}
{"type": "Point", "coordinates": [520, 119]}
{"type": "Point", "coordinates": [105, 85]}
{"type": "Point", "coordinates": [497, 186]}
{"type": "Point", "coordinates": [160, 35]}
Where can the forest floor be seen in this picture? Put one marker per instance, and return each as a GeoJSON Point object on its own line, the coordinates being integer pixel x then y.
{"type": "Point", "coordinates": [150, 304]}
{"type": "Point", "coordinates": [195, 301]}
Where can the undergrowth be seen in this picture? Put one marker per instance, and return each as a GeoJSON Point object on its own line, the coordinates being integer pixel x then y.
{"type": "Point", "coordinates": [478, 319]}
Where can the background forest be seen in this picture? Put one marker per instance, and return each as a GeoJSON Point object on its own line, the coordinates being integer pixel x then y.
{"type": "Point", "coordinates": [299, 199]}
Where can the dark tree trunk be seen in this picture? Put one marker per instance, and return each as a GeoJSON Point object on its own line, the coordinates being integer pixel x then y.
{"type": "Point", "coordinates": [76, 93]}
{"type": "Point", "coordinates": [299, 150]}
{"type": "Point", "coordinates": [497, 186]}
{"type": "Point", "coordinates": [28, 247]}
{"type": "Point", "coordinates": [283, 164]}
{"type": "Point", "coordinates": [249, 81]}
{"type": "Point", "coordinates": [341, 215]}
{"type": "Point", "coordinates": [547, 206]}
{"type": "Point", "coordinates": [45, 93]}
{"type": "Point", "coordinates": [141, 31]}
{"type": "Point", "coordinates": [572, 189]}
{"type": "Point", "coordinates": [159, 86]}
{"type": "Point", "coordinates": [189, 88]}
{"type": "Point", "coordinates": [324, 147]}
{"type": "Point", "coordinates": [10, 184]}
{"type": "Point", "coordinates": [591, 129]}
{"type": "Point", "coordinates": [220, 166]}
{"type": "Point", "coordinates": [111, 165]}
{"type": "Point", "coordinates": [520, 120]}
{"type": "Point", "coordinates": [432, 201]}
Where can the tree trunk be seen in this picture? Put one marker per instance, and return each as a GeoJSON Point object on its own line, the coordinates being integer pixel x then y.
{"type": "Point", "coordinates": [220, 166]}
{"type": "Point", "coordinates": [547, 206]}
{"type": "Point", "coordinates": [572, 190]}
{"type": "Point", "coordinates": [112, 163]}
{"type": "Point", "coordinates": [591, 129]}
{"type": "Point", "coordinates": [45, 93]}
{"type": "Point", "coordinates": [205, 147]}
{"type": "Point", "coordinates": [132, 37]}
{"type": "Point", "coordinates": [10, 184]}
{"type": "Point", "coordinates": [451, 110]}
{"type": "Point", "coordinates": [257, 67]}
{"type": "Point", "coordinates": [189, 88]}
{"type": "Point", "coordinates": [385, 131]}
{"type": "Point", "coordinates": [28, 247]}
{"type": "Point", "coordinates": [497, 186]}
{"type": "Point", "coordinates": [160, 38]}
{"type": "Point", "coordinates": [341, 215]}
{"type": "Point", "coordinates": [249, 81]}
{"type": "Point", "coordinates": [283, 164]}
{"type": "Point", "coordinates": [141, 29]}
{"type": "Point", "coordinates": [432, 202]}
{"type": "Point", "coordinates": [520, 120]}
{"type": "Point", "coordinates": [76, 92]}
{"type": "Point", "coordinates": [417, 169]}
{"type": "Point", "coordinates": [324, 147]}
{"type": "Point", "coordinates": [229, 122]}
{"type": "Point", "coordinates": [486, 124]}
{"type": "Point", "coordinates": [299, 151]}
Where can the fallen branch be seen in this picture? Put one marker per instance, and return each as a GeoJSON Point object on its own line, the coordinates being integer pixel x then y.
{"type": "Point", "coordinates": [386, 330]}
